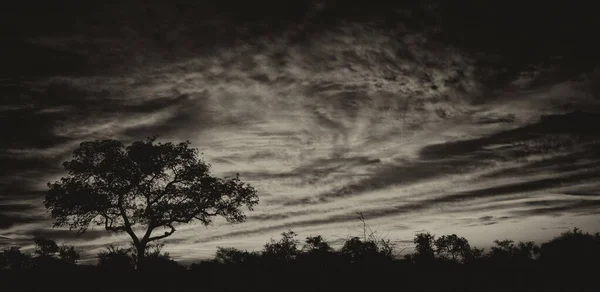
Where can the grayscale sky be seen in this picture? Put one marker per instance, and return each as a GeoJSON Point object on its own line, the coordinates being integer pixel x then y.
{"type": "Point", "coordinates": [476, 120]}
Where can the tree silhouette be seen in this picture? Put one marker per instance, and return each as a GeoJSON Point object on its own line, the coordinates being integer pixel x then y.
{"type": "Point", "coordinates": [357, 251]}
{"type": "Point", "coordinates": [316, 245]}
{"type": "Point", "coordinates": [15, 260]}
{"type": "Point", "coordinates": [45, 247]}
{"type": "Point", "coordinates": [571, 247]}
{"type": "Point", "coordinates": [48, 254]}
{"type": "Point", "coordinates": [318, 253]}
{"type": "Point", "coordinates": [68, 254]}
{"type": "Point", "coordinates": [284, 250]}
{"type": "Point", "coordinates": [424, 248]}
{"type": "Point", "coordinates": [474, 255]}
{"type": "Point", "coordinates": [452, 247]}
{"type": "Point", "coordinates": [146, 185]}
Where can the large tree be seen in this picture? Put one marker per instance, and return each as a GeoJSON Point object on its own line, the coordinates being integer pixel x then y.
{"type": "Point", "coordinates": [143, 189]}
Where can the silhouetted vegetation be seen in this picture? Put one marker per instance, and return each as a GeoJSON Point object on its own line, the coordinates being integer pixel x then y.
{"type": "Point", "coordinates": [145, 185]}
{"type": "Point", "coordinates": [443, 262]}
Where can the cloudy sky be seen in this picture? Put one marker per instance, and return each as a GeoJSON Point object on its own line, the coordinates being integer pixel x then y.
{"type": "Point", "coordinates": [476, 120]}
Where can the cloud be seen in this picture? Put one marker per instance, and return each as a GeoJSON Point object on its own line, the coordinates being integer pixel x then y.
{"type": "Point", "coordinates": [13, 219]}
{"type": "Point", "coordinates": [560, 208]}
{"type": "Point", "coordinates": [68, 235]}
{"type": "Point", "coordinates": [325, 117]}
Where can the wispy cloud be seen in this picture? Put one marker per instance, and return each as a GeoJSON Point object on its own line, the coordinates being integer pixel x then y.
{"type": "Point", "coordinates": [353, 120]}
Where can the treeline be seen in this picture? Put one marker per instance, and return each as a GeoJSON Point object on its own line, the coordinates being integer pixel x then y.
{"type": "Point", "coordinates": [366, 260]}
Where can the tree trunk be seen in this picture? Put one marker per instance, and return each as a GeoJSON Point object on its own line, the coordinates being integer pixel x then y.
{"type": "Point", "coordinates": [141, 255]}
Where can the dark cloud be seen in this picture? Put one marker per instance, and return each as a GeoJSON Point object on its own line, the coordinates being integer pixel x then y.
{"type": "Point", "coordinates": [24, 60]}
{"type": "Point", "coordinates": [29, 128]}
{"type": "Point", "coordinates": [473, 26]}
{"type": "Point", "coordinates": [496, 119]}
{"type": "Point", "coordinates": [15, 207]}
{"type": "Point", "coordinates": [68, 235]}
{"type": "Point", "coordinates": [528, 186]}
{"type": "Point", "coordinates": [558, 208]}
{"type": "Point", "coordinates": [276, 216]}
{"type": "Point", "coordinates": [486, 218]}
{"type": "Point", "coordinates": [13, 219]}
{"type": "Point", "coordinates": [334, 219]}
{"type": "Point", "coordinates": [59, 235]}
{"type": "Point", "coordinates": [584, 159]}
{"type": "Point", "coordinates": [577, 124]}
{"type": "Point", "coordinates": [388, 175]}
{"type": "Point", "coordinates": [582, 194]}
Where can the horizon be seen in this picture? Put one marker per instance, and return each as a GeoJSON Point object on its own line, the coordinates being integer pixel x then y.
{"type": "Point", "coordinates": [326, 110]}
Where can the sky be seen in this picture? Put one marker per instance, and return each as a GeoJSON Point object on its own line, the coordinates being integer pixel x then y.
{"type": "Point", "coordinates": [468, 118]}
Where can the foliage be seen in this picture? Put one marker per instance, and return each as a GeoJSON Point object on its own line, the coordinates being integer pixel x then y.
{"type": "Point", "coordinates": [145, 185]}
{"type": "Point", "coordinates": [370, 247]}
{"type": "Point", "coordinates": [358, 260]}
{"type": "Point", "coordinates": [116, 259]}
{"type": "Point", "coordinates": [316, 245]}
{"type": "Point", "coordinates": [452, 247]}
{"type": "Point", "coordinates": [232, 256]}
{"type": "Point", "coordinates": [47, 252]}
{"type": "Point", "coordinates": [571, 246]}
{"type": "Point", "coordinates": [505, 251]}
{"type": "Point", "coordinates": [424, 248]}
{"type": "Point", "coordinates": [284, 250]}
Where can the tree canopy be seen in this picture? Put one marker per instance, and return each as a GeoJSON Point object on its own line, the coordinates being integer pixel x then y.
{"type": "Point", "coordinates": [146, 185]}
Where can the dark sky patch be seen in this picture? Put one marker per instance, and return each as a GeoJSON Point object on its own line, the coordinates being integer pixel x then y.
{"type": "Point", "coordinates": [67, 235]}
{"type": "Point", "coordinates": [8, 220]}
{"type": "Point", "coordinates": [557, 209]}
{"type": "Point", "coordinates": [577, 124]}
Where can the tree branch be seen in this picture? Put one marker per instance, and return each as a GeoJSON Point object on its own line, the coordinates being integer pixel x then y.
{"type": "Point", "coordinates": [164, 191]}
{"type": "Point", "coordinates": [127, 224]}
{"type": "Point", "coordinates": [146, 237]}
{"type": "Point", "coordinates": [167, 234]}
{"type": "Point", "coordinates": [108, 224]}
{"type": "Point", "coordinates": [205, 214]}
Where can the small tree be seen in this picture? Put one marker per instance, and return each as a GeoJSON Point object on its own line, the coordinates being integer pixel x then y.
{"type": "Point", "coordinates": [452, 247]}
{"type": "Point", "coordinates": [284, 250]}
{"type": "Point", "coordinates": [474, 255]}
{"type": "Point", "coordinates": [146, 185]}
{"type": "Point", "coordinates": [424, 247]}
{"type": "Point", "coordinates": [67, 254]}
{"type": "Point", "coordinates": [47, 251]}
{"type": "Point", "coordinates": [316, 245]}
{"type": "Point", "coordinates": [318, 253]}
{"type": "Point", "coordinates": [45, 248]}
{"type": "Point", "coordinates": [359, 251]}
{"type": "Point", "coordinates": [370, 248]}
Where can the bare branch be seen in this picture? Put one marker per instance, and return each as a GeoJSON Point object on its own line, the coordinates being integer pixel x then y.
{"type": "Point", "coordinates": [167, 234]}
